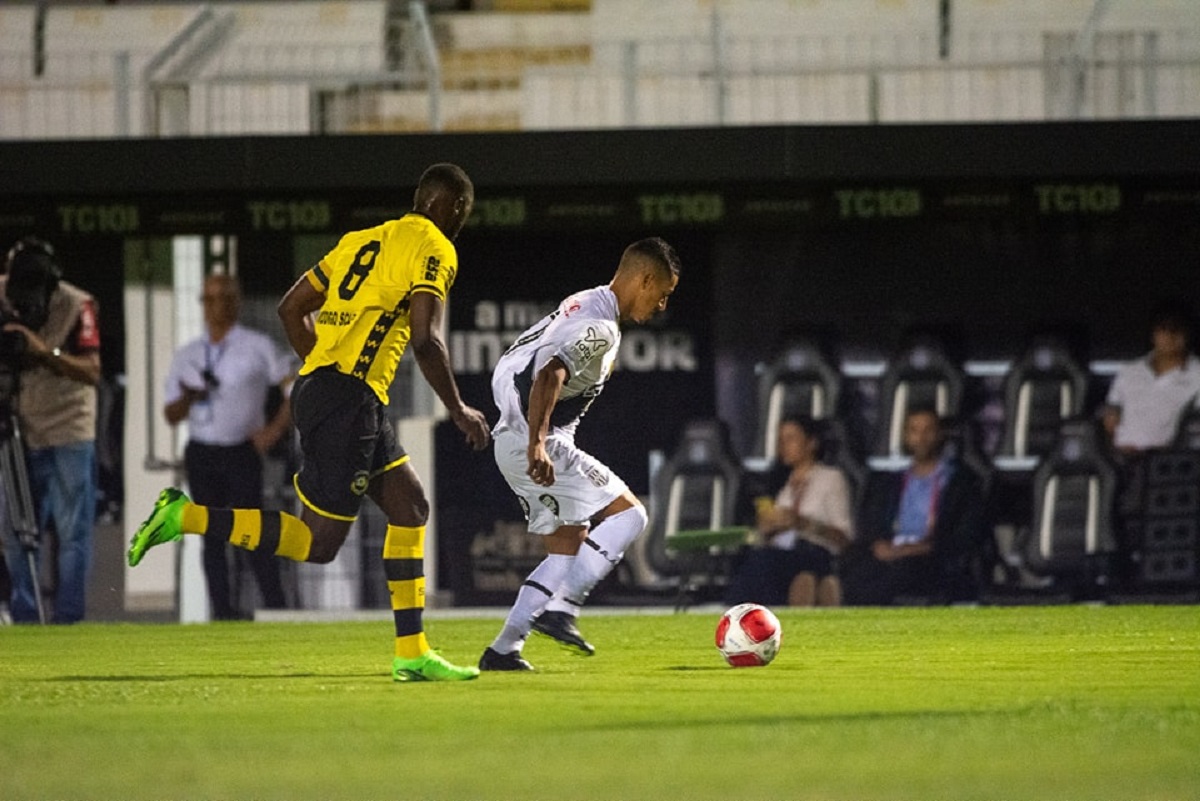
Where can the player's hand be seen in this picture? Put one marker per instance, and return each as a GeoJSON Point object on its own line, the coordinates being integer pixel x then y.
{"type": "Point", "coordinates": [193, 394]}
{"type": "Point", "coordinates": [540, 469]}
{"type": "Point", "coordinates": [885, 551]}
{"type": "Point", "coordinates": [264, 439]}
{"type": "Point", "coordinates": [34, 344]}
{"type": "Point", "coordinates": [472, 423]}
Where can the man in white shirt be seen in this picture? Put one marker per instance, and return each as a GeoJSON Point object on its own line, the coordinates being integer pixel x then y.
{"type": "Point", "coordinates": [1150, 395]}
{"type": "Point", "coordinates": [543, 385]}
{"type": "Point", "coordinates": [220, 383]}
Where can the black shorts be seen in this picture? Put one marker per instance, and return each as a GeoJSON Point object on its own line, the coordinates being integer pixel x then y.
{"type": "Point", "coordinates": [346, 439]}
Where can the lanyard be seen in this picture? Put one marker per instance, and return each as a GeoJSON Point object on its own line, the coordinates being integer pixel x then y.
{"type": "Point", "coordinates": [211, 361]}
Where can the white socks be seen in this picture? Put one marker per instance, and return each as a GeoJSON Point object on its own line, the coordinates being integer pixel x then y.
{"type": "Point", "coordinates": [535, 592]}
{"type": "Point", "coordinates": [598, 555]}
{"type": "Point", "coordinates": [561, 583]}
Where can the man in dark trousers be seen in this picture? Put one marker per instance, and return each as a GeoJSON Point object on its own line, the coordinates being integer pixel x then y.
{"type": "Point", "coordinates": [219, 383]}
{"type": "Point", "coordinates": [919, 528]}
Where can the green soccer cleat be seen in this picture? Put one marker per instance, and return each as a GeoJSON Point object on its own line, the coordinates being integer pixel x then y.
{"type": "Point", "coordinates": [165, 524]}
{"type": "Point", "coordinates": [430, 666]}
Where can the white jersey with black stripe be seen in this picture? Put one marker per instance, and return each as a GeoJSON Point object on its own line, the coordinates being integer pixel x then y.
{"type": "Point", "coordinates": [583, 332]}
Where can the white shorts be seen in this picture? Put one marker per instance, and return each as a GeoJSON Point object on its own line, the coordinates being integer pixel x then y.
{"type": "Point", "coordinates": [582, 486]}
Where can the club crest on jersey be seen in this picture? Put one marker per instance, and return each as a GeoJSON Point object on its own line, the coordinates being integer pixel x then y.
{"type": "Point", "coordinates": [359, 485]}
{"type": "Point", "coordinates": [592, 343]}
{"type": "Point", "coordinates": [573, 306]}
{"type": "Point", "coordinates": [550, 502]}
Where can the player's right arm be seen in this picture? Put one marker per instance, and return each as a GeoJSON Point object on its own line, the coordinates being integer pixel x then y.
{"type": "Point", "coordinates": [301, 300]}
{"type": "Point", "coordinates": [543, 395]}
{"type": "Point", "coordinates": [425, 322]}
{"type": "Point", "coordinates": [180, 396]}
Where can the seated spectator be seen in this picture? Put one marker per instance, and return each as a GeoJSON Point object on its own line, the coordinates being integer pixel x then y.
{"type": "Point", "coordinates": [803, 530]}
{"type": "Point", "coordinates": [920, 528]}
{"type": "Point", "coordinates": [1149, 395]}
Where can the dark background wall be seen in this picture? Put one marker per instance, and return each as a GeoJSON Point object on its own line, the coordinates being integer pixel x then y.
{"type": "Point", "coordinates": [992, 230]}
{"type": "Point", "coordinates": [987, 233]}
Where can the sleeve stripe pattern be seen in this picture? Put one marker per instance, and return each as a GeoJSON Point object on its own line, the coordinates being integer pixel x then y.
{"type": "Point", "coordinates": [321, 276]}
{"type": "Point", "coordinates": [433, 289]}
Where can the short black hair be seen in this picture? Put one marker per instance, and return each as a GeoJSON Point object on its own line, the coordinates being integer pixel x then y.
{"type": "Point", "coordinates": [658, 250]}
{"type": "Point", "coordinates": [924, 408]}
{"type": "Point", "coordinates": [1172, 315]}
{"type": "Point", "coordinates": [813, 428]}
{"type": "Point", "coordinates": [448, 177]}
{"type": "Point", "coordinates": [806, 423]}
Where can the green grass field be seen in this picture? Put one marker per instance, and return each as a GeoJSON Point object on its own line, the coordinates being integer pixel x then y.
{"type": "Point", "coordinates": [989, 703]}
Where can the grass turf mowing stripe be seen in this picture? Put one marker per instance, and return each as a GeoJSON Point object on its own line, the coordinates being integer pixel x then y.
{"type": "Point", "coordinates": [1024, 702]}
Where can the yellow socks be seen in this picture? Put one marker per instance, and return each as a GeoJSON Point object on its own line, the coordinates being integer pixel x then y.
{"type": "Point", "coordinates": [279, 533]}
{"type": "Point", "coordinates": [404, 566]}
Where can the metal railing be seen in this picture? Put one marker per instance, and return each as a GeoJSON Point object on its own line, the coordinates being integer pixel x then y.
{"type": "Point", "coordinates": [716, 80]}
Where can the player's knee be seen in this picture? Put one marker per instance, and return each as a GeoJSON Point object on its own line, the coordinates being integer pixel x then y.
{"type": "Point", "coordinates": [322, 552]}
{"type": "Point", "coordinates": [409, 512]}
{"type": "Point", "coordinates": [639, 513]}
{"type": "Point", "coordinates": [419, 509]}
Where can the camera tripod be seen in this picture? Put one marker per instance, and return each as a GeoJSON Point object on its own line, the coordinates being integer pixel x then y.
{"type": "Point", "coordinates": [18, 501]}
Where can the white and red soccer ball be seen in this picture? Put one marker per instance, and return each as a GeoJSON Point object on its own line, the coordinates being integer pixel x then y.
{"type": "Point", "coordinates": [749, 635]}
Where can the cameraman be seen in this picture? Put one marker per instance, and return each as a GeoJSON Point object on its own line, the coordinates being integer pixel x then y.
{"type": "Point", "coordinates": [58, 356]}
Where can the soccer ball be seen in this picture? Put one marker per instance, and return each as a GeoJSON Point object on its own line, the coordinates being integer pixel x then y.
{"type": "Point", "coordinates": [749, 635]}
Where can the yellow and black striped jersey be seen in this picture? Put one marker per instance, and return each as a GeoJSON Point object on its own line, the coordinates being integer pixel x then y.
{"type": "Point", "coordinates": [363, 326]}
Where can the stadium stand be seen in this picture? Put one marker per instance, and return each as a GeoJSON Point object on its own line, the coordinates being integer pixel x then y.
{"type": "Point", "coordinates": [1043, 387]}
{"type": "Point", "coordinates": [690, 534]}
{"type": "Point", "coordinates": [1072, 540]}
{"type": "Point", "coordinates": [920, 374]}
{"type": "Point", "coordinates": [76, 70]}
{"type": "Point", "coordinates": [377, 66]}
{"type": "Point", "coordinates": [798, 380]}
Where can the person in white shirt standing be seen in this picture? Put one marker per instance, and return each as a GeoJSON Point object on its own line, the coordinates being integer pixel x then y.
{"type": "Point", "coordinates": [1150, 395]}
{"type": "Point", "coordinates": [543, 385]}
{"type": "Point", "coordinates": [220, 384]}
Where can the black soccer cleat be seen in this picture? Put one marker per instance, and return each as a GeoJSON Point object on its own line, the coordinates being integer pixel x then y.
{"type": "Point", "coordinates": [560, 626]}
{"type": "Point", "coordinates": [494, 660]}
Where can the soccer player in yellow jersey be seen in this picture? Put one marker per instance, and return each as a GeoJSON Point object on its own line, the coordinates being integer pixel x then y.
{"type": "Point", "coordinates": [379, 291]}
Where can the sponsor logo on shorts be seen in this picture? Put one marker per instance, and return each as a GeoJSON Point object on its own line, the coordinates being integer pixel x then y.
{"type": "Point", "coordinates": [550, 502]}
{"type": "Point", "coordinates": [359, 485]}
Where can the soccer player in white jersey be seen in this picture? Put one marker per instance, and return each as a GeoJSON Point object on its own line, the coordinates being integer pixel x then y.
{"type": "Point", "coordinates": [542, 385]}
